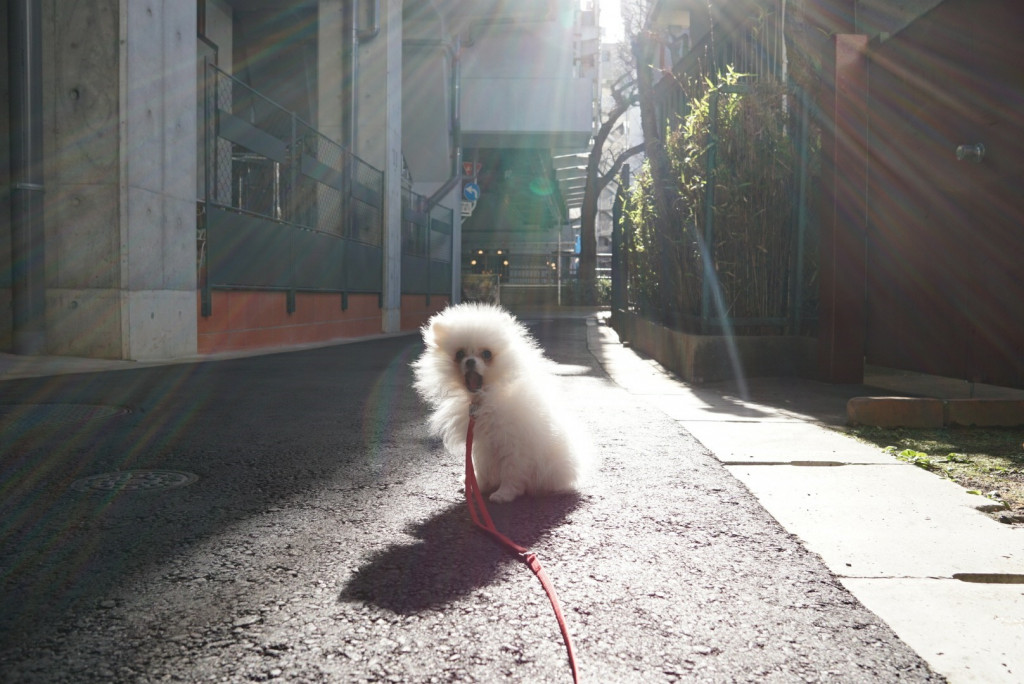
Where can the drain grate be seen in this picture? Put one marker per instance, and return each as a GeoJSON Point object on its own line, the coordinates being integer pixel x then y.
{"type": "Point", "coordinates": [26, 416]}
{"type": "Point", "coordinates": [134, 480]}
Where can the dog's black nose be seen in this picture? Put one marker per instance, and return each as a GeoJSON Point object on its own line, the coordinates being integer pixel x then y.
{"type": "Point", "coordinates": [470, 364]}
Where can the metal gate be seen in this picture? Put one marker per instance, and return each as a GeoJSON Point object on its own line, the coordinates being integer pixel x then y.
{"type": "Point", "coordinates": [945, 240]}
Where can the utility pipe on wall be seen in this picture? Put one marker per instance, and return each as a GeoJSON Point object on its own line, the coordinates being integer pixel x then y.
{"type": "Point", "coordinates": [368, 34]}
{"type": "Point", "coordinates": [28, 285]}
{"type": "Point", "coordinates": [354, 35]}
{"type": "Point", "coordinates": [349, 74]}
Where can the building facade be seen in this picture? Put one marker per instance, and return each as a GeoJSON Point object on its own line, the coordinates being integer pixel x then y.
{"type": "Point", "coordinates": [225, 174]}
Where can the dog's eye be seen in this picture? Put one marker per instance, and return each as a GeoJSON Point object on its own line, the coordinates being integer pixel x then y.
{"type": "Point", "coordinates": [459, 355]}
{"type": "Point", "coordinates": [486, 355]}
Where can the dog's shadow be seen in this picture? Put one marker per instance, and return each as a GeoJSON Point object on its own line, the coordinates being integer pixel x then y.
{"type": "Point", "coordinates": [452, 557]}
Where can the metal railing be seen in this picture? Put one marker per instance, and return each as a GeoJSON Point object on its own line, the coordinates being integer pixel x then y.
{"type": "Point", "coordinates": [426, 246]}
{"type": "Point", "coordinates": [282, 206]}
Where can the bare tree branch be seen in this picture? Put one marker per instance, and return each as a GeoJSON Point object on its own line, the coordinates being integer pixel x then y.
{"type": "Point", "coordinates": [610, 174]}
{"type": "Point", "coordinates": [624, 93]}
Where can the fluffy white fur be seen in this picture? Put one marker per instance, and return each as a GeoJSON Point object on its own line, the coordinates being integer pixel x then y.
{"type": "Point", "coordinates": [480, 354]}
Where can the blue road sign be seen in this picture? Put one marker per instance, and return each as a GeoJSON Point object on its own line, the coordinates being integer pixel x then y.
{"type": "Point", "coordinates": [471, 192]}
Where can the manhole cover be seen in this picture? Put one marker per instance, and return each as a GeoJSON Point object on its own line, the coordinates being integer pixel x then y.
{"type": "Point", "coordinates": [134, 480]}
{"type": "Point", "coordinates": [34, 415]}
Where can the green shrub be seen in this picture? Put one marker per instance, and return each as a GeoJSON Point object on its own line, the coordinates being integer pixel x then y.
{"type": "Point", "coordinates": [754, 214]}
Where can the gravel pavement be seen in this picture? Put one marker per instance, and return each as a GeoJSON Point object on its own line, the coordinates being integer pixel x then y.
{"type": "Point", "coordinates": [326, 539]}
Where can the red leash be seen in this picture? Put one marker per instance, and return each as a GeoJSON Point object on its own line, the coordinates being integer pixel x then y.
{"type": "Point", "coordinates": [482, 519]}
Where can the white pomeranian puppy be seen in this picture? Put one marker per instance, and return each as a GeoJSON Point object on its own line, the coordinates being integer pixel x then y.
{"type": "Point", "coordinates": [479, 355]}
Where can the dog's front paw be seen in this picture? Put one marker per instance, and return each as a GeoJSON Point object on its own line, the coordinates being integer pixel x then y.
{"type": "Point", "coordinates": [505, 493]}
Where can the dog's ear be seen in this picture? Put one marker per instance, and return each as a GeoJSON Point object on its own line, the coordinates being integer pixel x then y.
{"type": "Point", "coordinates": [436, 332]}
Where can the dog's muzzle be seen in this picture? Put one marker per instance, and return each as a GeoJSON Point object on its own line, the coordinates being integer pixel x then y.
{"type": "Point", "coordinates": [474, 381]}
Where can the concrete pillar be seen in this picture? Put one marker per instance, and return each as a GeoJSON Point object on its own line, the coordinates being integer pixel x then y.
{"type": "Point", "coordinates": [121, 168]}
{"type": "Point", "coordinates": [158, 167]}
{"type": "Point", "coordinates": [379, 142]}
{"type": "Point", "coordinates": [455, 200]}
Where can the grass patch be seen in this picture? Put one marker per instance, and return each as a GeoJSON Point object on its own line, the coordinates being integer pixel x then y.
{"type": "Point", "coordinates": [985, 461]}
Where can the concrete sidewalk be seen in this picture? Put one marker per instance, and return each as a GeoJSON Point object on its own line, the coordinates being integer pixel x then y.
{"type": "Point", "coordinates": [912, 547]}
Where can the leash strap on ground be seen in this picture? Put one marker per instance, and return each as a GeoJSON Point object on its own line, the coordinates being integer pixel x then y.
{"type": "Point", "coordinates": [482, 519]}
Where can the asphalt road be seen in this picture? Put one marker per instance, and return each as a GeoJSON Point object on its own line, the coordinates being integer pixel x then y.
{"type": "Point", "coordinates": [326, 539]}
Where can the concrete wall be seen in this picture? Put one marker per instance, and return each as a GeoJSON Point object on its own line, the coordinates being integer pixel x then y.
{"type": "Point", "coordinates": [709, 358]}
{"type": "Point", "coordinates": [120, 107]}
{"type": "Point", "coordinates": [219, 29]}
{"type": "Point", "coordinates": [519, 49]}
{"type": "Point", "coordinates": [427, 54]}
{"type": "Point", "coordinates": [426, 111]}
{"type": "Point", "coordinates": [519, 87]}
{"type": "Point", "coordinates": [527, 112]}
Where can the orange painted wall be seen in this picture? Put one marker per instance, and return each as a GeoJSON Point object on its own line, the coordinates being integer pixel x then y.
{"type": "Point", "coordinates": [416, 310]}
{"type": "Point", "coordinates": [250, 319]}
